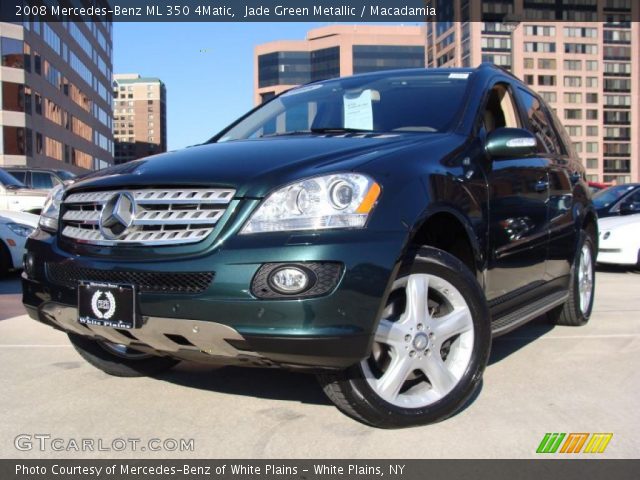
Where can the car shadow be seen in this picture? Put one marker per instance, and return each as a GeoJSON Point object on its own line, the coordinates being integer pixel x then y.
{"type": "Point", "coordinates": [511, 342]}
{"type": "Point", "coordinates": [11, 296]}
{"type": "Point", "coordinates": [268, 383]}
{"type": "Point", "coordinates": [606, 268]}
{"type": "Point", "coordinates": [275, 384]}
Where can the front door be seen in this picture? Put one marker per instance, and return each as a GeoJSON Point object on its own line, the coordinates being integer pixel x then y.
{"type": "Point", "coordinates": [518, 196]}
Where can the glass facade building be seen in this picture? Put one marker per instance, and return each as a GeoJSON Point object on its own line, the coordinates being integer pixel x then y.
{"type": "Point", "coordinates": [335, 51]}
{"type": "Point", "coordinates": [56, 95]}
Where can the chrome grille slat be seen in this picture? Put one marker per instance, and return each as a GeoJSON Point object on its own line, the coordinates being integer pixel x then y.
{"type": "Point", "coordinates": [163, 216]}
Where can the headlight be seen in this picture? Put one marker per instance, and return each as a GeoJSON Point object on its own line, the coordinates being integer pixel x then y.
{"type": "Point", "coordinates": [51, 210]}
{"type": "Point", "coordinates": [20, 229]}
{"type": "Point", "coordinates": [332, 201]}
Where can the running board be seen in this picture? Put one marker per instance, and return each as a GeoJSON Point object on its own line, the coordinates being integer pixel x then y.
{"type": "Point", "coordinates": [514, 319]}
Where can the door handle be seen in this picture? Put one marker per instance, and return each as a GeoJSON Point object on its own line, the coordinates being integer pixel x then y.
{"type": "Point", "coordinates": [541, 185]}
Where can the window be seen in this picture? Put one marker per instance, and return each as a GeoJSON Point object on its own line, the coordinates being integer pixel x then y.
{"type": "Point", "coordinates": [592, 131]}
{"type": "Point", "coordinates": [12, 52]}
{"type": "Point", "coordinates": [592, 147]}
{"type": "Point", "coordinates": [592, 82]}
{"type": "Point", "coordinates": [539, 31]}
{"type": "Point", "coordinates": [592, 114]}
{"type": "Point", "coordinates": [583, 48]}
{"type": "Point", "coordinates": [592, 163]}
{"type": "Point", "coordinates": [529, 79]}
{"type": "Point", "coordinates": [15, 141]}
{"type": "Point", "coordinates": [580, 32]}
{"type": "Point", "coordinates": [573, 114]}
{"type": "Point", "coordinates": [51, 38]}
{"type": "Point", "coordinates": [540, 124]}
{"type": "Point", "coordinates": [570, 97]}
{"type": "Point", "coordinates": [549, 97]}
{"type": "Point", "coordinates": [574, 130]}
{"type": "Point", "coordinates": [528, 63]}
{"type": "Point", "coordinates": [547, 63]}
{"type": "Point", "coordinates": [570, 81]}
{"type": "Point", "coordinates": [592, 97]}
{"type": "Point", "coordinates": [546, 47]}
{"type": "Point", "coordinates": [573, 64]}
{"type": "Point", "coordinates": [546, 80]}
{"type": "Point", "coordinates": [500, 110]}
{"type": "Point", "coordinates": [14, 98]}
{"type": "Point", "coordinates": [592, 65]}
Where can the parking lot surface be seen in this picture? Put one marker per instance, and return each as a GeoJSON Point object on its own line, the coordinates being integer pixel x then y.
{"type": "Point", "coordinates": [540, 379]}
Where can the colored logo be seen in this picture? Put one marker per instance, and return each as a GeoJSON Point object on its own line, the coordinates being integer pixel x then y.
{"type": "Point", "coordinates": [574, 442]}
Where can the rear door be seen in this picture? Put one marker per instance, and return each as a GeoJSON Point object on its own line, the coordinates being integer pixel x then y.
{"type": "Point", "coordinates": [518, 195]}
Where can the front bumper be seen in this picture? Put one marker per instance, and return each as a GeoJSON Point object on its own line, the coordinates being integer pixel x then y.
{"type": "Point", "coordinates": [226, 322]}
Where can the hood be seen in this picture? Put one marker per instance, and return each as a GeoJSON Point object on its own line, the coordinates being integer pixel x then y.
{"type": "Point", "coordinates": [611, 223]}
{"type": "Point", "coordinates": [7, 216]}
{"type": "Point", "coordinates": [253, 167]}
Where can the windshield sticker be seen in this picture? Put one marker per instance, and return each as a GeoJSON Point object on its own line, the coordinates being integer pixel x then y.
{"type": "Point", "coordinates": [462, 76]}
{"type": "Point", "coordinates": [296, 91]}
{"type": "Point", "coordinates": [358, 111]}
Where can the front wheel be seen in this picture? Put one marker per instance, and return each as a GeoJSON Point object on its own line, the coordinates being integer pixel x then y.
{"type": "Point", "coordinates": [430, 348]}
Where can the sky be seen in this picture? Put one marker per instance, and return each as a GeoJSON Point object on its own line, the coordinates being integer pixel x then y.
{"type": "Point", "coordinates": [207, 69]}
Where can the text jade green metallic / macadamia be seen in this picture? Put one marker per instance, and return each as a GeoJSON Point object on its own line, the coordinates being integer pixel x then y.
{"type": "Point", "coordinates": [377, 230]}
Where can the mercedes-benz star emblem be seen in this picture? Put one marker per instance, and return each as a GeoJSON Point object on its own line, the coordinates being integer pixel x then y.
{"type": "Point", "coordinates": [117, 216]}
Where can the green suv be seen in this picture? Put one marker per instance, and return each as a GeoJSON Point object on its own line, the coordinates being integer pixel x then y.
{"type": "Point", "coordinates": [376, 230]}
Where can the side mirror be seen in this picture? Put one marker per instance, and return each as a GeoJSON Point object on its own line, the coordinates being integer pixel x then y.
{"type": "Point", "coordinates": [629, 208]}
{"type": "Point", "coordinates": [510, 143]}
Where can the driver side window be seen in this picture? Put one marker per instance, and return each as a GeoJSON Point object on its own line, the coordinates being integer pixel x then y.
{"type": "Point", "coordinates": [500, 110]}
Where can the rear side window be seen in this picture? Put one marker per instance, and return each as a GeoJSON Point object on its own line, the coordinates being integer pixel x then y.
{"type": "Point", "coordinates": [20, 175]}
{"type": "Point", "coordinates": [541, 124]}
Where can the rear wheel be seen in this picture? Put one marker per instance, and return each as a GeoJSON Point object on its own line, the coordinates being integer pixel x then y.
{"type": "Point", "coordinates": [119, 360]}
{"type": "Point", "coordinates": [430, 348]}
{"type": "Point", "coordinates": [576, 311]}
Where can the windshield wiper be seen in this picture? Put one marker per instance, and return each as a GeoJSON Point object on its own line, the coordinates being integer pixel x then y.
{"type": "Point", "coordinates": [340, 130]}
{"type": "Point", "coordinates": [285, 134]}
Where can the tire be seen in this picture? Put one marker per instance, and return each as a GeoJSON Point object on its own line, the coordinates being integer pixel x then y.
{"type": "Point", "coordinates": [5, 260]}
{"type": "Point", "coordinates": [119, 361]}
{"type": "Point", "coordinates": [576, 311]}
{"type": "Point", "coordinates": [432, 366]}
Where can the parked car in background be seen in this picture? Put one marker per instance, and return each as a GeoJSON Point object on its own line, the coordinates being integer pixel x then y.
{"type": "Point", "coordinates": [620, 240]}
{"type": "Point", "coordinates": [618, 200]}
{"type": "Point", "coordinates": [15, 196]}
{"type": "Point", "coordinates": [15, 227]}
{"type": "Point", "coordinates": [40, 178]}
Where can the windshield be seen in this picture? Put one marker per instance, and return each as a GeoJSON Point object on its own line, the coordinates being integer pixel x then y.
{"type": "Point", "coordinates": [413, 101]}
{"type": "Point", "coordinates": [610, 195]}
{"type": "Point", "coordinates": [9, 180]}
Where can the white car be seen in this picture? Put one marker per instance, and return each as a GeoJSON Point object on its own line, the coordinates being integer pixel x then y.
{"type": "Point", "coordinates": [619, 240]}
{"type": "Point", "coordinates": [15, 227]}
{"type": "Point", "coordinates": [15, 196]}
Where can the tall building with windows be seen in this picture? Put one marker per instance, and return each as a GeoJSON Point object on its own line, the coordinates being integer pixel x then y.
{"type": "Point", "coordinates": [139, 111]}
{"type": "Point", "coordinates": [335, 51]}
{"type": "Point", "coordinates": [56, 95]}
{"type": "Point", "coordinates": [581, 56]}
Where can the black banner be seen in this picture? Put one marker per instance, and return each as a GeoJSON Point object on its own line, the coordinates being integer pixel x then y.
{"type": "Point", "coordinates": [320, 469]}
{"type": "Point", "coordinates": [318, 11]}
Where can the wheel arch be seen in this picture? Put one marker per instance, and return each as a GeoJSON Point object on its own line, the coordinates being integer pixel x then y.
{"type": "Point", "coordinates": [449, 230]}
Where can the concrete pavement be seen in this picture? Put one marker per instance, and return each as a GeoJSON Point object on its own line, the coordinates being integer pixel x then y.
{"type": "Point", "coordinates": [540, 379]}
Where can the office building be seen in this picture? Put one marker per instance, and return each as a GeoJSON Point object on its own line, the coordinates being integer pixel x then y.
{"type": "Point", "coordinates": [56, 95]}
{"type": "Point", "coordinates": [139, 111]}
{"type": "Point", "coordinates": [586, 65]}
{"type": "Point", "coordinates": [335, 51]}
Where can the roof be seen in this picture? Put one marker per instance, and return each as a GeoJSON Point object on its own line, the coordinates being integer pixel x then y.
{"type": "Point", "coordinates": [124, 81]}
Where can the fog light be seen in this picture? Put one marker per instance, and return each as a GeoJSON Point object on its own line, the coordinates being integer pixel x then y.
{"type": "Point", "coordinates": [289, 280]}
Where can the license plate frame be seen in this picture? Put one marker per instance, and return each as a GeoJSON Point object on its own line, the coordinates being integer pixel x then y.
{"type": "Point", "coordinates": [107, 305]}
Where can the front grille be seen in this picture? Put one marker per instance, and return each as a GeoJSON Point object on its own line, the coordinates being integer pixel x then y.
{"type": "Point", "coordinates": [159, 216]}
{"type": "Point", "coordinates": [149, 282]}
